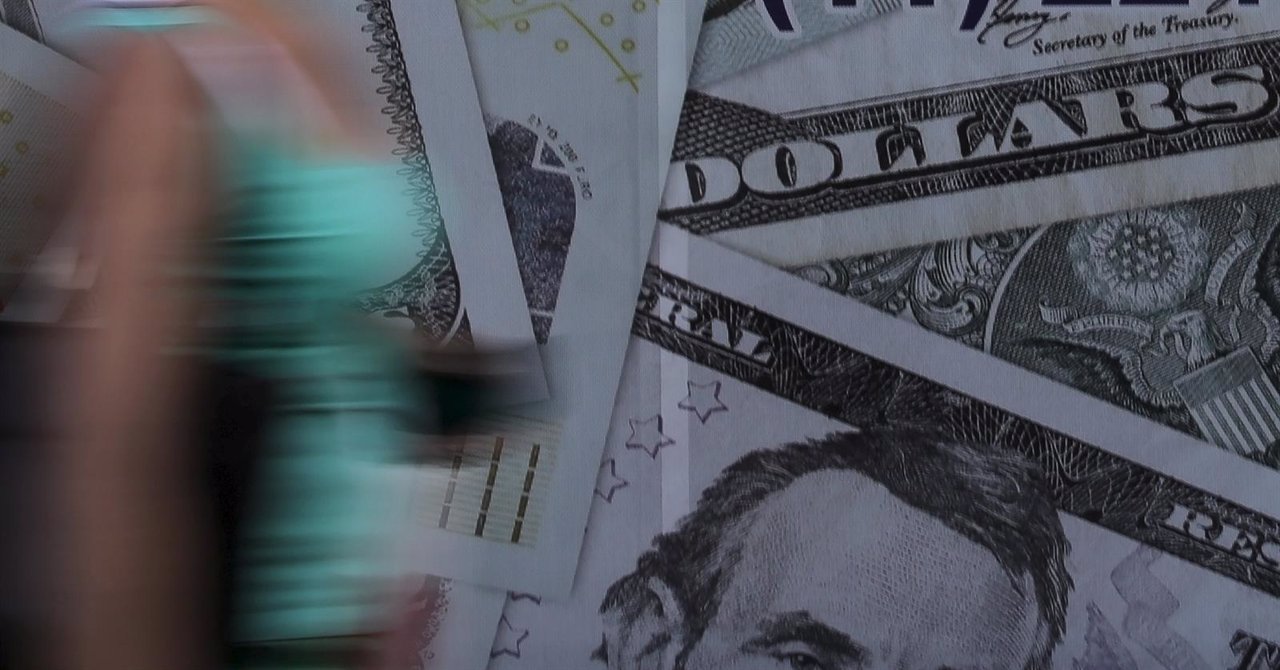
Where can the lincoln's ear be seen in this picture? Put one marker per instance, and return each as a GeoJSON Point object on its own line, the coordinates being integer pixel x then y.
{"type": "Point", "coordinates": [643, 626]}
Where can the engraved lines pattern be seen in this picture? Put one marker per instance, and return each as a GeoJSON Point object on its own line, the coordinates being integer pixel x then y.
{"type": "Point", "coordinates": [710, 126]}
{"type": "Point", "coordinates": [997, 283]}
{"type": "Point", "coordinates": [736, 36]}
{"type": "Point", "coordinates": [430, 293]}
{"type": "Point", "coordinates": [1234, 403]}
{"type": "Point", "coordinates": [1087, 482]}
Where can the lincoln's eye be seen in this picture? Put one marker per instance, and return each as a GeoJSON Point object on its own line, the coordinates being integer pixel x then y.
{"type": "Point", "coordinates": [802, 661]}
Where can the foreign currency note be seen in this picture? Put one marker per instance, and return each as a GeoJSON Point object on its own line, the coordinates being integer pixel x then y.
{"type": "Point", "coordinates": [738, 34]}
{"type": "Point", "coordinates": [37, 90]}
{"type": "Point", "coordinates": [916, 131]}
{"type": "Point", "coordinates": [571, 98]}
{"type": "Point", "coordinates": [1172, 313]}
{"type": "Point", "coordinates": [793, 480]}
{"type": "Point", "coordinates": [454, 278]}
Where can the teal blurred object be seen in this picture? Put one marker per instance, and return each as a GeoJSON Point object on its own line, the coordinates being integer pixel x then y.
{"type": "Point", "coordinates": [294, 233]}
{"type": "Point", "coordinates": [288, 272]}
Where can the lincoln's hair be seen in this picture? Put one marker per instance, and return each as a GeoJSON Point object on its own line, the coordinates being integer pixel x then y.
{"type": "Point", "coordinates": [990, 495]}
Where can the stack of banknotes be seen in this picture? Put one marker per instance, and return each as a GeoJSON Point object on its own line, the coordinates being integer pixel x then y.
{"type": "Point", "coordinates": [876, 334]}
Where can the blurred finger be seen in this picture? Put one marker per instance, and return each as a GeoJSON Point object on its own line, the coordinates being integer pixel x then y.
{"type": "Point", "coordinates": [147, 181]}
{"type": "Point", "coordinates": [136, 554]}
{"type": "Point", "coordinates": [135, 560]}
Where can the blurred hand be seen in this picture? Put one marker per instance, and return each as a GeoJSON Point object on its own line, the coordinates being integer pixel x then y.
{"type": "Point", "coordinates": [137, 535]}
{"type": "Point", "coordinates": [134, 538]}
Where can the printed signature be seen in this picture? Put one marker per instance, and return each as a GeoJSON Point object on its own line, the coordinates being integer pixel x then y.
{"type": "Point", "coordinates": [1022, 26]}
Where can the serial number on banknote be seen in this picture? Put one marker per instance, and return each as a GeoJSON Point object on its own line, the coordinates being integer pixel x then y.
{"type": "Point", "coordinates": [551, 135]}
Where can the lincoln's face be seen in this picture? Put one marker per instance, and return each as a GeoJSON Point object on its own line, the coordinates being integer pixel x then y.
{"type": "Point", "coordinates": [835, 573]}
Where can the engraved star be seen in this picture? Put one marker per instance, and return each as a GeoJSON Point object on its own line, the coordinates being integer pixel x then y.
{"type": "Point", "coordinates": [703, 400]}
{"type": "Point", "coordinates": [608, 482]}
{"type": "Point", "coordinates": [508, 639]}
{"type": "Point", "coordinates": [516, 597]}
{"type": "Point", "coordinates": [647, 435]}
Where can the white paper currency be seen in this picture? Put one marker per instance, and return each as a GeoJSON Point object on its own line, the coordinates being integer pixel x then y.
{"type": "Point", "coordinates": [739, 34]}
{"type": "Point", "coordinates": [453, 623]}
{"type": "Point", "coordinates": [1190, 340]}
{"type": "Point", "coordinates": [460, 623]}
{"type": "Point", "coordinates": [455, 276]}
{"type": "Point", "coordinates": [570, 93]}
{"type": "Point", "coordinates": [926, 524]}
{"type": "Point", "coordinates": [694, 11]}
{"type": "Point", "coordinates": [38, 90]}
{"type": "Point", "coordinates": [677, 34]}
{"type": "Point", "coordinates": [913, 131]}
